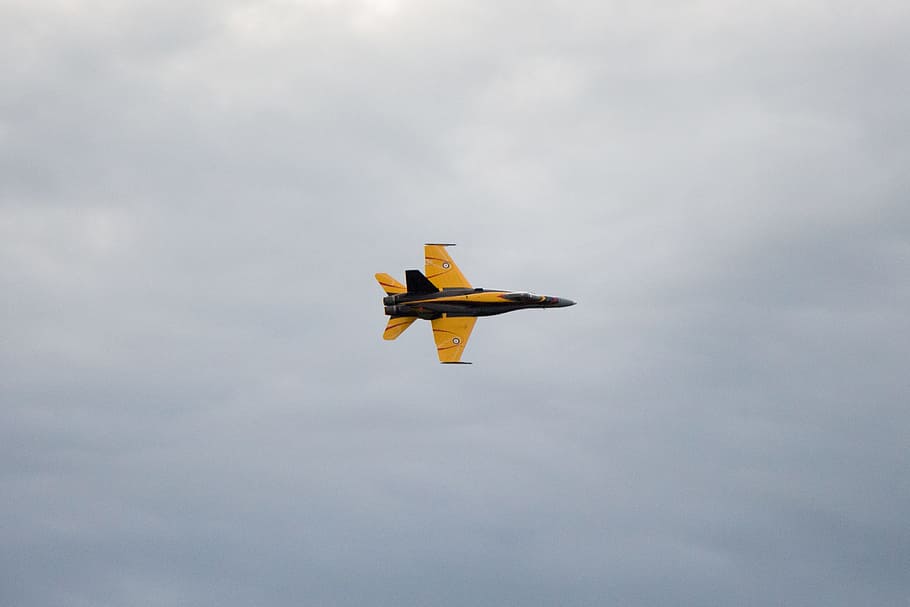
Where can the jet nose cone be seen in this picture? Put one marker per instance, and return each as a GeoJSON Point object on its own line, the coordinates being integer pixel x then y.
{"type": "Point", "coordinates": [560, 302]}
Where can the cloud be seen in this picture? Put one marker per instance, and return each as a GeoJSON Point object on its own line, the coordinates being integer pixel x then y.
{"type": "Point", "coordinates": [197, 406]}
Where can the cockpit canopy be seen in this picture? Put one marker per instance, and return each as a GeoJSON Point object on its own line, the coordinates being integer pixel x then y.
{"type": "Point", "coordinates": [523, 297]}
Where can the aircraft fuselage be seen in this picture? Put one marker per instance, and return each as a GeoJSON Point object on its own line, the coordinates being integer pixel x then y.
{"type": "Point", "coordinates": [467, 302]}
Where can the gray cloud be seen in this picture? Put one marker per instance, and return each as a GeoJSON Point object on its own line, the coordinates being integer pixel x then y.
{"type": "Point", "coordinates": [197, 407]}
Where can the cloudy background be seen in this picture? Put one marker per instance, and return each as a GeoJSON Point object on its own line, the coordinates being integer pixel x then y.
{"type": "Point", "coordinates": [198, 407]}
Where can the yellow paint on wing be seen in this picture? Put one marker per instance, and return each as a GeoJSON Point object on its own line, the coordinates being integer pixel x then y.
{"type": "Point", "coordinates": [451, 336]}
{"type": "Point", "coordinates": [441, 269]}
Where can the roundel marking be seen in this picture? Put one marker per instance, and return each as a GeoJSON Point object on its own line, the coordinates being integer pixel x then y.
{"type": "Point", "coordinates": [445, 265]}
{"type": "Point", "coordinates": [456, 341]}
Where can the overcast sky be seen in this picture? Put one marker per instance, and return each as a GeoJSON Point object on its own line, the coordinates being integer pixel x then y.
{"type": "Point", "coordinates": [198, 407]}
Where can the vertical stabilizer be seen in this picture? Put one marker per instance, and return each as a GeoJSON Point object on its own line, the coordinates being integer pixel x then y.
{"type": "Point", "coordinates": [418, 283]}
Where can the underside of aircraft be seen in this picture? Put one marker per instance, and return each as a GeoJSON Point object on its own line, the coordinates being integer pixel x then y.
{"type": "Point", "coordinates": [442, 295]}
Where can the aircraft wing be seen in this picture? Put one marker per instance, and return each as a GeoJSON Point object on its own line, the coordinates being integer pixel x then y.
{"type": "Point", "coordinates": [441, 270]}
{"type": "Point", "coordinates": [451, 335]}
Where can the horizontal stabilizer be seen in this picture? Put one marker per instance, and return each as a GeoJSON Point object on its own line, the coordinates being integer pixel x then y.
{"type": "Point", "coordinates": [397, 326]}
{"type": "Point", "coordinates": [389, 284]}
{"type": "Point", "coordinates": [418, 283]}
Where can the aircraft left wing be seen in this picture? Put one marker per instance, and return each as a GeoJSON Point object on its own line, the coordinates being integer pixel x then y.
{"type": "Point", "coordinates": [451, 335]}
{"type": "Point", "coordinates": [441, 270]}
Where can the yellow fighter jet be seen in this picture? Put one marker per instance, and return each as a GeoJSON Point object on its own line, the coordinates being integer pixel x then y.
{"type": "Point", "coordinates": [446, 298]}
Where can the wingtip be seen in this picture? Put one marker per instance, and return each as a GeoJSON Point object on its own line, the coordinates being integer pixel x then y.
{"type": "Point", "coordinates": [455, 362]}
{"type": "Point", "coordinates": [439, 244]}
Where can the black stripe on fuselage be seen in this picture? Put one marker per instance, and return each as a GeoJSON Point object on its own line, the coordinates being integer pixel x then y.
{"type": "Point", "coordinates": [411, 297]}
{"type": "Point", "coordinates": [453, 311]}
{"type": "Point", "coordinates": [427, 306]}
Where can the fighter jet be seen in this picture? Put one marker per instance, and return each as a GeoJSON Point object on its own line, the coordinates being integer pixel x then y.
{"type": "Point", "coordinates": [445, 297]}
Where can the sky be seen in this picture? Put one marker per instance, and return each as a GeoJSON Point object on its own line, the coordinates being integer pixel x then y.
{"type": "Point", "coordinates": [197, 407]}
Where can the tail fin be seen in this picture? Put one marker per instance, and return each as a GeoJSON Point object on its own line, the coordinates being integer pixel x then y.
{"type": "Point", "coordinates": [418, 283]}
{"type": "Point", "coordinates": [390, 285]}
{"type": "Point", "coordinates": [397, 325]}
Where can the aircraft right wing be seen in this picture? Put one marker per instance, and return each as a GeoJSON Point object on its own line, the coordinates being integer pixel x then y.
{"type": "Point", "coordinates": [441, 270]}
{"type": "Point", "coordinates": [451, 335]}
